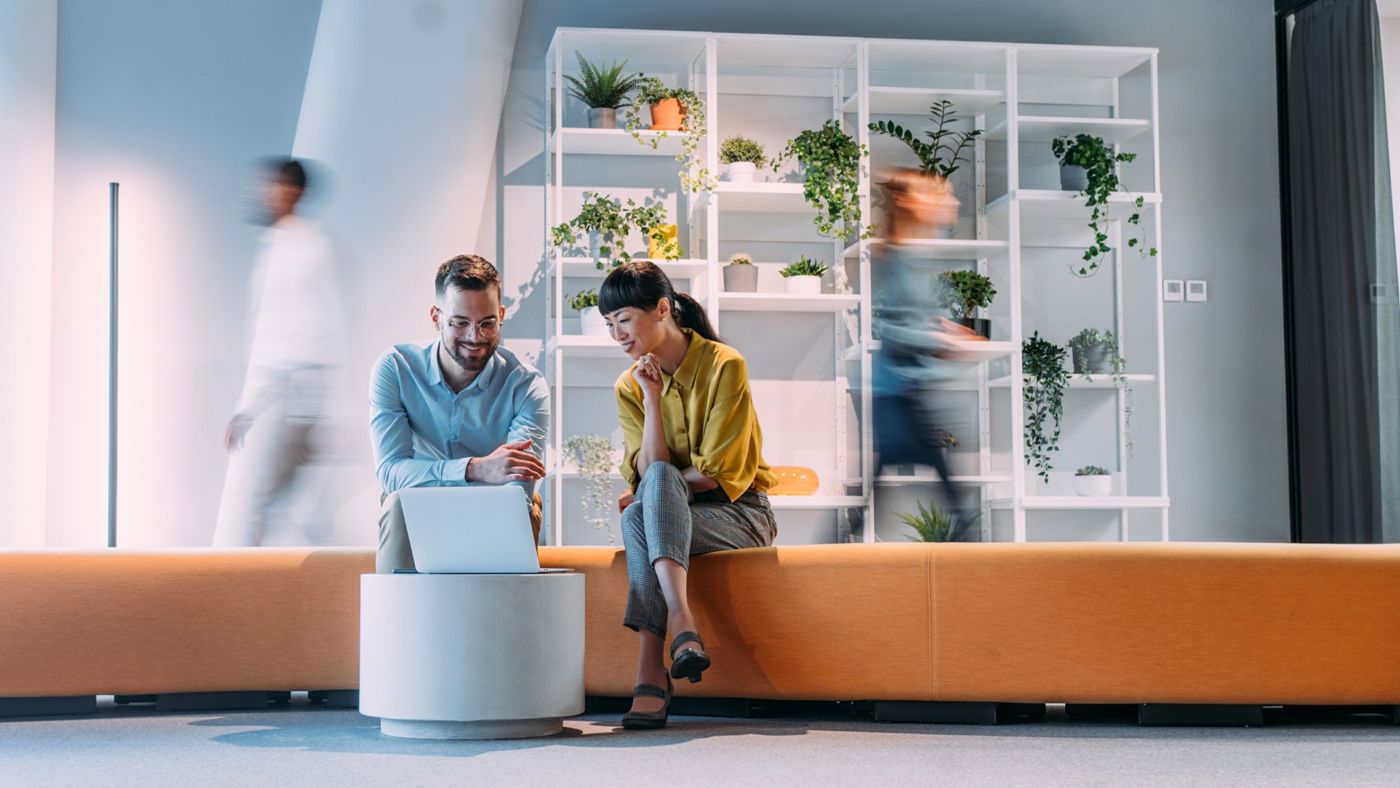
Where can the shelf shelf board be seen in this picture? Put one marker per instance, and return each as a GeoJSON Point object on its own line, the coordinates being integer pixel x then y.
{"type": "Point", "coordinates": [916, 101]}
{"type": "Point", "coordinates": [1037, 128]}
{"type": "Point", "coordinates": [781, 502]}
{"type": "Point", "coordinates": [580, 346]}
{"type": "Point", "coordinates": [1085, 503]}
{"type": "Point", "coordinates": [1060, 60]}
{"type": "Point", "coordinates": [784, 302]}
{"type": "Point", "coordinates": [932, 478]}
{"type": "Point", "coordinates": [1088, 382]}
{"type": "Point", "coordinates": [1056, 204]}
{"type": "Point", "coordinates": [761, 198]}
{"type": "Point", "coordinates": [584, 267]}
{"type": "Point", "coordinates": [943, 248]}
{"type": "Point", "coordinates": [615, 142]}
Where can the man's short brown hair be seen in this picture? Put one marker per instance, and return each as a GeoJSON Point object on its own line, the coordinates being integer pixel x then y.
{"type": "Point", "coordinates": [467, 272]}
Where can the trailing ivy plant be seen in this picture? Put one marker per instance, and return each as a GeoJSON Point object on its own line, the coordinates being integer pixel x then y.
{"type": "Point", "coordinates": [601, 88]}
{"type": "Point", "coordinates": [946, 148]}
{"type": "Point", "coordinates": [1100, 162]}
{"type": "Point", "coordinates": [610, 217]}
{"type": "Point", "coordinates": [1091, 338]}
{"type": "Point", "coordinates": [1044, 376]}
{"type": "Point", "coordinates": [832, 160]}
{"type": "Point", "coordinates": [694, 176]}
{"type": "Point", "coordinates": [963, 292]}
{"type": "Point", "coordinates": [594, 456]}
{"type": "Point", "coordinates": [804, 266]}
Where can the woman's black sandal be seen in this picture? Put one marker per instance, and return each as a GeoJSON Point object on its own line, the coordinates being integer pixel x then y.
{"type": "Point", "coordinates": [649, 720]}
{"type": "Point", "coordinates": [691, 662]}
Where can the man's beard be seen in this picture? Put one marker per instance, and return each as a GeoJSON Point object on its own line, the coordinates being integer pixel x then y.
{"type": "Point", "coordinates": [466, 362]}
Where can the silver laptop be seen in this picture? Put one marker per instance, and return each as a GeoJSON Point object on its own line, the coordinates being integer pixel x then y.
{"type": "Point", "coordinates": [470, 530]}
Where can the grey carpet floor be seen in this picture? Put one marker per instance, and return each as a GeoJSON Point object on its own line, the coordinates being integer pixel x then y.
{"type": "Point", "coordinates": [305, 746]}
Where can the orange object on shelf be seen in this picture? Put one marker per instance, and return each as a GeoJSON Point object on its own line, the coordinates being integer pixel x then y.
{"type": "Point", "coordinates": [794, 480]}
{"type": "Point", "coordinates": [667, 115]}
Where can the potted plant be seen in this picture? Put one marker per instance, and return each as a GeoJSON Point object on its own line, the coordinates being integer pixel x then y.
{"type": "Point", "coordinates": [1044, 377]}
{"type": "Point", "coordinates": [672, 109]}
{"type": "Point", "coordinates": [741, 275]}
{"type": "Point", "coordinates": [590, 319]}
{"type": "Point", "coordinates": [962, 293]}
{"type": "Point", "coordinates": [594, 457]}
{"type": "Point", "coordinates": [604, 90]}
{"type": "Point", "coordinates": [1099, 181]}
{"type": "Point", "coordinates": [650, 220]}
{"type": "Point", "coordinates": [830, 159]}
{"type": "Point", "coordinates": [945, 150]}
{"type": "Point", "coordinates": [1091, 480]}
{"type": "Point", "coordinates": [930, 524]}
{"type": "Point", "coordinates": [804, 277]}
{"type": "Point", "coordinates": [1092, 351]}
{"type": "Point", "coordinates": [742, 158]}
{"type": "Point", "coordinates": [603, 219]}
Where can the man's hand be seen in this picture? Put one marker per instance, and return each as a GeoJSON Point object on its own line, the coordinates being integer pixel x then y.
{"type": "Point", "coordinates": [236, 430]}
{"type": "Point", "coordinates": [511, 462]}
{"type": "Point", "coordinates": [625, 500]}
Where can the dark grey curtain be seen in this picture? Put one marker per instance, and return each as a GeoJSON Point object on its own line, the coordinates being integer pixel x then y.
{"type": "Point", "coordinates": [1342, 274]}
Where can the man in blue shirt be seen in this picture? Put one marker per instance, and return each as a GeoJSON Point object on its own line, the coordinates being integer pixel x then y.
{"type": "Point", "coordinates": [459, 411]}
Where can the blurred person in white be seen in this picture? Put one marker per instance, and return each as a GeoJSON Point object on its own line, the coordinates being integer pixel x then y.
{"type": "Point", "coordinates": [295, 302]}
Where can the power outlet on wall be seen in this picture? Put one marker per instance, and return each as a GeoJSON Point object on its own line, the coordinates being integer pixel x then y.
{"type": "Point", "coordinates": [1196, 290]}
{"type": "Point", "coordinates": [1173, 290]}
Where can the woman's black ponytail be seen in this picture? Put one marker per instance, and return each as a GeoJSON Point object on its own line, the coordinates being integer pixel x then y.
{"type": "Point", "coordinates": [641, 284]}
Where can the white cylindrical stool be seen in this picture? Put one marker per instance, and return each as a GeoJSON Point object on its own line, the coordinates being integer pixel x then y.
{"type": "Point", "coordinates": [471, 656]}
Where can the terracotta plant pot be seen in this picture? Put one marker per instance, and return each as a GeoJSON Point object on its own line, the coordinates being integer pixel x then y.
{"type": "Point", "coordinates": [667, 115]}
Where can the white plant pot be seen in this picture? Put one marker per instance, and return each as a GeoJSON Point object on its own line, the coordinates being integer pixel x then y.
{"type": "Point", "coordinates": [740, 171]}
{"type": "Point", "coordinates": [1093, 486]}
{"type": "Point", "coordinates": [804, 285]}
{"type": "Point", "coordinates": [593, 323]}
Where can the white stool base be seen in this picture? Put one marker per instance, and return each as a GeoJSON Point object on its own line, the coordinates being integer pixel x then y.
{"type": "Point", "coordinates": [489, 729]}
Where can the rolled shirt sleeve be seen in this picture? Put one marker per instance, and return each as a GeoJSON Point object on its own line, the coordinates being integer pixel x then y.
{"type": "Point", "coordinates": [531, 422]}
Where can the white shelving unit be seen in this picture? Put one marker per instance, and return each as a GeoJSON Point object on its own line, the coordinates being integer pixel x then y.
{"type": "Point", "coordinates": [1014, 222]}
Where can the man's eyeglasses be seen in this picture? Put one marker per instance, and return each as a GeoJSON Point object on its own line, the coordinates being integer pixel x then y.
{"type": "Point", "coordinates": [486, 328]}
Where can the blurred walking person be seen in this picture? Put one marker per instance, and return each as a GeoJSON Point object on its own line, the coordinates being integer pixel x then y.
{"type": "Point", "coordinates": [914, 355]}
{"type": "Point", "coordinates": [295, 308]}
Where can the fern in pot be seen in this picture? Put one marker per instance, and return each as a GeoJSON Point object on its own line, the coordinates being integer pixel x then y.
{"type": "Point", "coordinates": [1093, 481]}
{"type": "Point", "coordinates": [741, 275]}
{"type": "Point", "coordinates": [590, 319]}
{"type": "Point", "coordinates": [804, 277]}
{"type": "Point", "coordinates": [604, 90]}
{"type": "Point", "coordinates": [962, 293]}
{"type": "Point", "coordinates": [594, 457]}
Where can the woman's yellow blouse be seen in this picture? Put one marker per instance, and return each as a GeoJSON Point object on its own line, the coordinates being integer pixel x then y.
{"type": "Point", "coordinates": [709, 419]}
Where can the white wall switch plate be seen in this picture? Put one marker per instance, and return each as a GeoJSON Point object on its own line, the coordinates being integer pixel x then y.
{"type": "Point", "coordinates": [1195, 290]}
{"type": "Point", "coordinates": [1172, 289]}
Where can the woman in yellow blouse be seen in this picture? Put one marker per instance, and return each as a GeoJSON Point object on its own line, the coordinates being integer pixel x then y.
{"type": "Point", "coordinates": [693, 463]}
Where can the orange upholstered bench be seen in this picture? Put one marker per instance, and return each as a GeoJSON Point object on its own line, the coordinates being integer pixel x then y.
{"type": "Point", "coordinates": [996, 623]}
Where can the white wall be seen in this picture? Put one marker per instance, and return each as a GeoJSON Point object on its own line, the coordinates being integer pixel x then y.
{"type": "Point", "coordinates": [174, 100]}
{"type": "Point", "coordinates": [1226, 432]}
{"type": "Point", "coordinates": [28, 54]}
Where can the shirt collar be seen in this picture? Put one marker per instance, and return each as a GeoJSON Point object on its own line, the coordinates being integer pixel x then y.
{"type": "Point", "coordinates": [690, 365]}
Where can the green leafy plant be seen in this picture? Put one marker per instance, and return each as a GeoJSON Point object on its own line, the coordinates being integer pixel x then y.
{"type": "Point", "coordinates": [1045, 378]}
{"type": "Point", "coordinates": [963, 292]}
{"type": "Point", "coordinates": [740, 259]}
{"type": "Point", "coordinates": [584, 299]}
{"type": "Point", "coordinates": [594, 456]}
{"type": "Point", "coordinates": [1100, 162]}
{"type": "Point", "coordinates": [930, 524]}
{"type": "Point", "coordinates": [601, 88]}
{"type": "Point", "coordinates": [612, 219]}
{"type": "Point", "coordinates": [1092, 470]}
{"type": "Point", "coordinates": [694, 176]}
{"type": "Point", "coordinates": [946, 148]}
{"type": "Point", "coordinates": [737, 149]}
{"type": "Point", "coordinates": [804, 267]}
{"type": "Point", "coordinates": [832, 160]}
